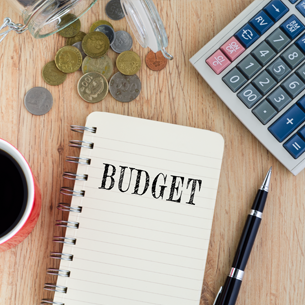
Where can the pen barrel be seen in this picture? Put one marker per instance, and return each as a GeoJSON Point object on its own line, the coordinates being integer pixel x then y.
{"type": "Point", "coordinates": [229, 292]}
{"type": "Point", "coordinates": [246, 242]}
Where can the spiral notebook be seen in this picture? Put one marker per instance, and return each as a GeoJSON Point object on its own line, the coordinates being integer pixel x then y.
{"type": "Point", "coordinates": [141, 214]}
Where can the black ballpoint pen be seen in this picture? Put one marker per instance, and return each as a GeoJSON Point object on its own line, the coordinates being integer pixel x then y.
{"type": "Point", "coordinates": [228, 294]}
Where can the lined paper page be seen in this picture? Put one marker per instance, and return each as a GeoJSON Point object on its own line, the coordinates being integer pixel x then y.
{"type": "Point", "coordinates": [144, 230]}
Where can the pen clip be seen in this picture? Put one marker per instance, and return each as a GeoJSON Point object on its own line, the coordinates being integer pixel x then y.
{"type": "Point", "coordinates": [219, 292]}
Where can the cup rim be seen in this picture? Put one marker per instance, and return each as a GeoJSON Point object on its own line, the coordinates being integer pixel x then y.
{"type": "Point", "coordinates": [31, 189]}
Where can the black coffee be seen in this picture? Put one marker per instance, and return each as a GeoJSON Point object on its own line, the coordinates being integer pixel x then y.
{"type": "Point", "coordinates": [13, 193]}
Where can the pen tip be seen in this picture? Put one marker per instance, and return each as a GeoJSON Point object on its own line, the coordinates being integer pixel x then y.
{"type": "Point", "coordinates": [266, 183]}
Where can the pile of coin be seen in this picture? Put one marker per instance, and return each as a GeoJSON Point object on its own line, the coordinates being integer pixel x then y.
{"type": "Point", "coordinates": [87, 52]}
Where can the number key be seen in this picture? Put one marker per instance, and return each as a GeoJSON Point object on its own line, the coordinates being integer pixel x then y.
{"type": "Point", "coordinates": [264, 82]}
{"type": "Point", "coordinates": [301, 73]}
{"type": "Point", "coordinates": [279, 99]}
{"type": "Point", "coordinates": [293, 85]}
{"type": "Point", "coordinates": [278, 69]}
{"type": "Point", "coordinates": [249, 66]}
{"type": "Point", "coordinates": [249, 96]}
{"type": "Point", "coordinates": [263, 53]}
{"type": "Point", "coordinates": [278, 40]}
{"type": "Point", "coordinates": [293, 56]}
{"type": "Point", "coordinates": [234, 79]}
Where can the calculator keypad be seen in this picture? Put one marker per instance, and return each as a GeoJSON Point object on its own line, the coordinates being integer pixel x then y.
{"type": "Point", "coordinates": [269, 78]}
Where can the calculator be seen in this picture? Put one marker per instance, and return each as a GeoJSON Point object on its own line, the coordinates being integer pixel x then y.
{"type": "Point", "coordinates": [256, 65]}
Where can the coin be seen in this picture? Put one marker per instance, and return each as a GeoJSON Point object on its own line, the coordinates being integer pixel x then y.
{"type": "Point", "coordinates": [52, 75]}
{"type": "Point", "coordinates": [156, 61]}
{"type": "Point", "coordinates": [38, 101]}
{"type": "Point", "coordinates": [79, 37]}
{"type": "Point", "coordinates": [114, 10]}
{"type": "Point", "coordinates": [101, 65]}
{"type": "Point", "coordinates": [95, 44]}
{"type": "Point", "coordinates": [68, 59]}
{"type": "Point", "coordinates": [128, 63]}
{"type": "Point", "coordinates": [107, 30]}
{"type": "Point", "coordinates": [125, 88]}
{"type": "Point", "coordinates": [72, 29]}
{"type": "Point", "coordinates": [98, 23]}
{"type": "Point", "coordinates": [78, 45]}
{"type": "Point", "coordinates": [122, 42]}
{"type": "Point", "coordinates": [92, 87]}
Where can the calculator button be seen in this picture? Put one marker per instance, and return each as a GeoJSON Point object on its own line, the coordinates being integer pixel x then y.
{"type": "Point", "coordinates": [279, 99]}
{"type": "Point", "coordinates": [264, 82]}
{"type": "Point", "coordinates": [278, 69]}
{"type": "Point", "coordinates": [292, 27]}
{"type": "Point", "coordinates": [264, 112]}
{"type": "Point", "coordinates": [293, 1]}
{"type": "Point", "coordinates": [301, 7]}
{"type": "Point", "coordinates": [232, 48]}
{"type": "Point", "coordinates": [247, 36]}
{"type": "Point", "coordinates": [295, 146]}
{"type": "Point", "coordinates": [249, 96]}
{"type": "Point", "coordinates": [276, 10]}
{"type": "Point", "coordinates": [301, 133]}
{"type": "Point", "coordinates": [263, 53]}
{"type": "Point", "coordinates": [234, 79]}
{"type": "Point", "coordinates": [293, 85]}
{"type": "Point", "coordinates": [300, 43]}
{"type": "Point", "coordinates": [249, 66]}
{"type": "Point", "coordinates": [278, 40]}
{"type": "Point", "coordinates": [261, 22]}
{"type": "Point", "coordinates": [301, 73]}
{"type": "Point", "coordinates": [293, 56]}
{"type": "Point", "coordinates": [287, 123]}
{"type": "Point", "coordinates": [301, 103]}
{"type": "Point", "coordinates": [218, 62]}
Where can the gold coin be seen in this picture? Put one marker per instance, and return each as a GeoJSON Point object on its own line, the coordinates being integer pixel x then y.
{"type": "Point", "coordinates": [98, 23]}
{"type": "Point", "coordinates": [72, 29]}
{"type": "Point", "coordinates": [52, 75]}
{"type": "Point", "coordinates": [101, 65]}
{"type": "Point", "coordinates": [95, 44]}
{"type": "Point", "coordinates": [128, 63]}
{"type": "Point", "coordinates": [92, 87]}
{"type": "Point", "coordinates": [68, 59]}
{"type": "Point", "coordinates": [79, 37]}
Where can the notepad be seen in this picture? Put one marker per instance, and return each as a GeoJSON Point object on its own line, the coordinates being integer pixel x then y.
{"type": "Point", "coordinates": [147, 208]}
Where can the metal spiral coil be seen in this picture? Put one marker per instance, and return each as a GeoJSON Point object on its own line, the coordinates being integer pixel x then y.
{"type": "Point", "coordinates": [55, 288]}
{"type": "Point", "coordinates": [59, 272]}
{"type": "Point", "coordinates": [64, 240]}
{"type": "Point", "coordinates": [69, 192]}
{"type": "Point", "coordinates": [44, 302]}
{"type": "Point", "coordinates": [67, 208]}
{"type": "Point", "coordinates": [82, 129]}
{"type": "Point", "coordinates": [83, 161]}
{"type": "Point", "coordinates": [75, 177]}
{"type": "Point", "coordinates": [81, 144]}
{"type": "Point", "coordinates": [62, 256]}
{"type": "Point", "coordinates": [67, 224]}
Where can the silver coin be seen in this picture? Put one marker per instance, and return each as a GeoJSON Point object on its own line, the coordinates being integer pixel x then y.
{"type": "Point", "coordinates": [123, 42]}
{"type": "Point", "coordinates": [125, 88]}
{"type": "Point", "coordinates": [38, 101]}
{"type": "Point", "coordinates": [107, 30]}
{"type": "Point", "coordinates": [78, 45]}
{"type": "Point", "coordinates": [114, 10]}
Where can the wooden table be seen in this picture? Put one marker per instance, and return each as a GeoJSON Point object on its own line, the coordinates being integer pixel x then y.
{"type": "Point", "coordinates": [276, 269]}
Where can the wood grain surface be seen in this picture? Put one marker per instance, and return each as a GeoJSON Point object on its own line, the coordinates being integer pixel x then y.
{"type": "Point", "coordinates": [275, 274]}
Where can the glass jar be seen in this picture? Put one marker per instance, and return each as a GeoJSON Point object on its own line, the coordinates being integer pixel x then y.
{"type": "Point", "coordinates": [43, 17]}
{"type": "Point", "coordinates": [146, 24]}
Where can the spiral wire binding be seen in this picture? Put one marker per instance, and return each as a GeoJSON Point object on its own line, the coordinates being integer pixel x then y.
{"type": "Point", "coordinates": [59, 272]}
{"type": "Point", "coordinates": [67, 208]}
{"type": "Point", "coordinates": [82, 129]}
{"type": "Point", "coordinates": [62, 256]}
{"type": "Point", "coordinates": [75, 177]}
